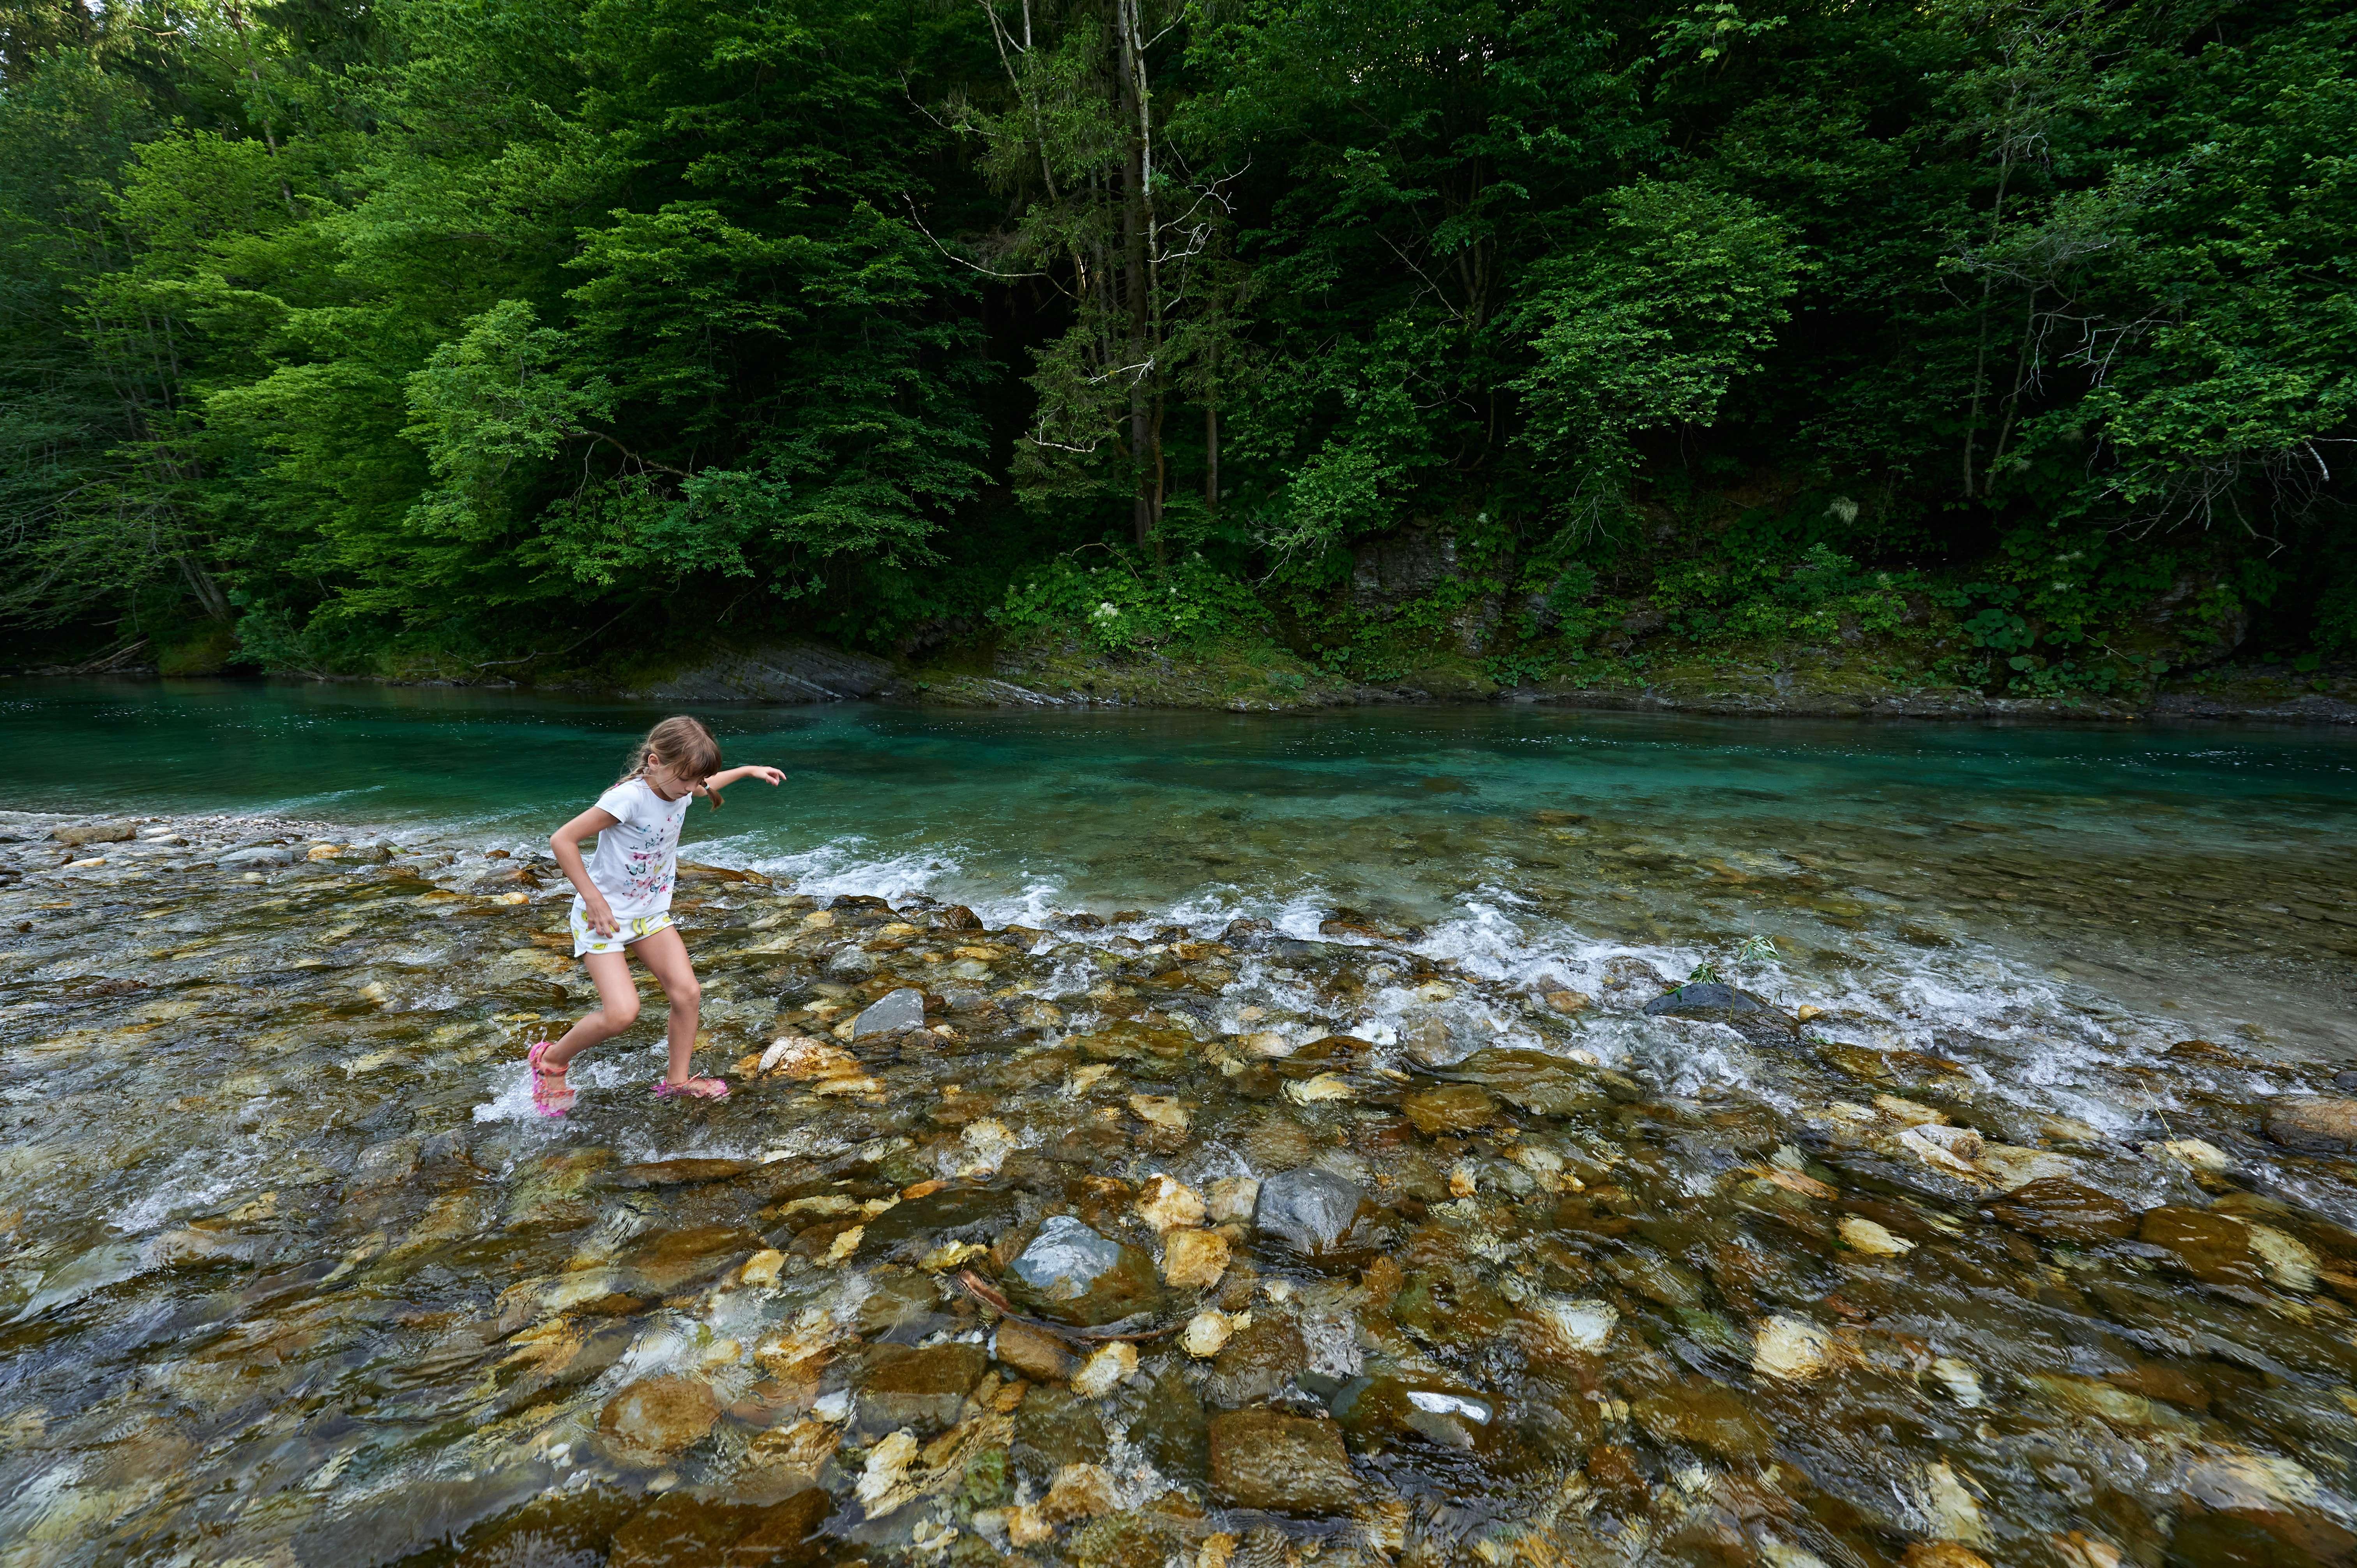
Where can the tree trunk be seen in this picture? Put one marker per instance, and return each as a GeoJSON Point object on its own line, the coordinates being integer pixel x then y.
{"type": "Point", "coordinates": [1211, 460]}
{"type": "Point", "coordinates": [1144, 441]}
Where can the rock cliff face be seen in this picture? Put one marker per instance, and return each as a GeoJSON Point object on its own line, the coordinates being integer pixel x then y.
{"type": "Point", "coordinates": [801, 672]}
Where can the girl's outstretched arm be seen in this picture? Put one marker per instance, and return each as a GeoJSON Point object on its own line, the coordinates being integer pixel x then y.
{"type": "Point", "coordinates": [721, 780]}
{"type": "Point", "coordinates": [566, 841]}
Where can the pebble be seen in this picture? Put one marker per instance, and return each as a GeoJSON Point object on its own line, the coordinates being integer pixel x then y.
{"type": "Point", "coordinates": [1081, 1491]}
{"type": "Point", "coordinates": [1193, 1260]}
{"type": "Point", "coordinates": [2194, 1152]}
{"type": "Point", "coordinates": [1105, 1370]}
{"type": "Point", "coordinates": [1790, 1349]}
{"type": "Point", "coordinates": [1163, 1203]}
{"type": "Point", "coordinates": [1582, 1324]}
{"type": "Point", "coordinates": [1206, 1332]}
{"type": "Point", "coordinates": [1324, 1086]}
{"type": "Point", "coordinates": [1862, 1235]}
{"type": "Point", "coordinates": [1948, 1506]}
{"type": "Point", "coordinates": [887, 1468]}
{"type": "Point", "coordinates": [1230, 1199]}
{"type": "Point", "coordinates": [1161, 1111]}
{"type": "Point", "coordinates": [78, 833]}
{"type": "Point", "coordinates": [1962, 1381]}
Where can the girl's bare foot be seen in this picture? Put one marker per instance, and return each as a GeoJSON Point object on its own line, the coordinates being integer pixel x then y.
{"type": "Point", "coordinates": [691, 1088]}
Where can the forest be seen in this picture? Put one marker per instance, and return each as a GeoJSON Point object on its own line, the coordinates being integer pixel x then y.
{"type": "Point", "coordinates": [529, 335]}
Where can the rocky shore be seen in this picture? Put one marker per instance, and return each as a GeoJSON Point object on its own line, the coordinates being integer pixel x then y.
{"type": "Point", "coordinates": [1105, 1241]}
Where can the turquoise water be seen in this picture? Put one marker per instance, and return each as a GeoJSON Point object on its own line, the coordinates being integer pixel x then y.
{"type": "Point", "coordinates": [2153, 861]}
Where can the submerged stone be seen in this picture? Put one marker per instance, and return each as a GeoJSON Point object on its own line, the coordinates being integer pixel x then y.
{"type": "Point", "coordinates": [2210, 1247]}
{"type": "Point", "coordinates": [1173, 1428]}
{"type": "Point", "coordinates": [1055, 1427]}
{"type": "Point", "coordinates": [2318, 1126]}
{"type": "Point", "coordinates": [1707, 1415]}
{"type": "Point", "coordinates": [1451, 1307]}
{"type": "Point", "coordinates": [661, 1415]}
{"type": "Point", "coordinates": [1262, 1460]}
{"type": "Point", "coordinates": [1072, 1273]}
{"type": "Point", "coordinates": [1309, 1210]}
{"type": "Point", "coordinates": [1450, 1107]}
{"type": "Point", "coordinates": [680, 1528]}
{"type": "Point", "coordinates": [923, 1390]}
{"type": "Point", "coordinates": [1536, 1081]}
{"type": "Point", "coordinates": [2065, 1210]}
{"type": "Point", "coordinates": [1257, 1362]}
{"type": "Point", "coordinates": [1039, 1357]}
{"type": "Point", "coordinates": [678, 1173]}
{"type": "Point", "coordinates": [1372, 1409]}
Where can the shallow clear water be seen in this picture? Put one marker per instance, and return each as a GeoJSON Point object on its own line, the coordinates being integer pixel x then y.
{"type": "Point", "coordinates": [294, 1274]}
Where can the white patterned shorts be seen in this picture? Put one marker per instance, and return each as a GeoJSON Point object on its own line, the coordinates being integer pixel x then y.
{"type": "Point", "coordinates": [638, 930]}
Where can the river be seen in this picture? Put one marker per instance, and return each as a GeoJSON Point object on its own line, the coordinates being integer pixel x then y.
{"type": "Point", "coordinates": [2002, 1215]}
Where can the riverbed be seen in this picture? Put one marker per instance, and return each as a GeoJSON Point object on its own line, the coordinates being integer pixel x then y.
{"type": "Point", "coordinates": [1997, 1208]}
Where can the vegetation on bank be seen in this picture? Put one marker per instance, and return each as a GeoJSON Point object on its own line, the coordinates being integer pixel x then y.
{"type": "Point", "coordinates": [1994, 347]}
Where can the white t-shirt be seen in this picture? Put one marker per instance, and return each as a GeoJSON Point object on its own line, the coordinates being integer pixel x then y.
{"type": "Point", "coordinates": [637, 859]}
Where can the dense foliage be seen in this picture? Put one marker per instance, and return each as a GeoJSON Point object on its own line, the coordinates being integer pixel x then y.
{"type": "Point", "coordinates": [503, 328]}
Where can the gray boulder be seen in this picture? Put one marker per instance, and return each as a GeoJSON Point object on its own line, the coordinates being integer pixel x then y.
{"type": "Point", "coordinates": [260, 854]}
{"type": "Point", "coordinates": [1073, 1274]}
{"type": "Point", "coordinates": [75, 834]}
{"type": "Point", "coordinates": [890, 1013]}
{"type": "Point", "coordinates": [1311, 1210]}
{"type": "Point", "coordinates": [1711, 1002]}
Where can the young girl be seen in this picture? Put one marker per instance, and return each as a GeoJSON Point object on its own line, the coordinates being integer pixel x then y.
{"type": "Point", "coordinates": [622, 905]}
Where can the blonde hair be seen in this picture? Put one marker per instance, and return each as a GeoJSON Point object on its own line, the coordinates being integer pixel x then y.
{"type": "Point", "coordinates": [681, 744]}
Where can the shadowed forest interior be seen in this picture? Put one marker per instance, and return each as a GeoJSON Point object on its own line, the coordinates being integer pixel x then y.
{"type": "Point", "coordinates": [500, 334]}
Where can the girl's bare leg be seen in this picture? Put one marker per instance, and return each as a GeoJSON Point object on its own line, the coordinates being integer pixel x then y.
{"type": "Point", "coordinates": [618, 997]}
{"type": "Point", "coordinates": [666, 956]}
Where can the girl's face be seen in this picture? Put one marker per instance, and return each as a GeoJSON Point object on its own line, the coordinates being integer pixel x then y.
{"type": "Point", "coordinates": [668, 781]}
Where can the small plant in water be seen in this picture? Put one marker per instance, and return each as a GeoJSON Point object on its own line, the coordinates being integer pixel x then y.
{"type": "Point", "coordinates": [1757, 950]}
{"type": "Point", "coordinates": [1705, 973]}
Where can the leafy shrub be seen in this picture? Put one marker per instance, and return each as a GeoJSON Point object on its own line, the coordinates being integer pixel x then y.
{"type": "Point", "coordinates": [1129, 606]}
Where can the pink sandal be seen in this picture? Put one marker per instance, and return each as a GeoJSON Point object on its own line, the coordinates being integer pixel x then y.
{"type": "Point", "coordinates": [665, 1089]}
{"type": "Point", "coordinates": [543, 1100]}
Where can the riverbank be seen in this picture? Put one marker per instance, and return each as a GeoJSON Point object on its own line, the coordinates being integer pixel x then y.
{"type": "Point", "coordinates": [1788, 683]}
{"type": "Point", "coordinates": [294, 1272]}
{"type": "Point", "coordinates": [1778, 682]}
